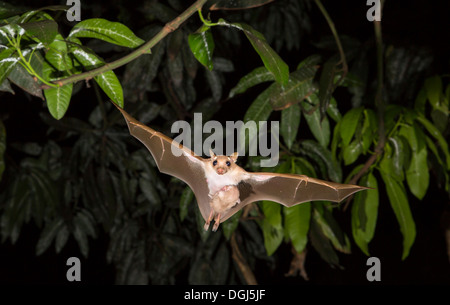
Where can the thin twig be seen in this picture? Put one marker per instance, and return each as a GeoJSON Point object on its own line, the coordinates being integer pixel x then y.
{"type": "Point", "coordinates": [343, 59]}
{"type": "Point", "coordinates": [241, 262]}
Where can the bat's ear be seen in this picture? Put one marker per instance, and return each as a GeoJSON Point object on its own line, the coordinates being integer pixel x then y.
{"type": "Point", "coordinates": [234, 156]}
{"type": "Point", "coordinates": [212, 154]}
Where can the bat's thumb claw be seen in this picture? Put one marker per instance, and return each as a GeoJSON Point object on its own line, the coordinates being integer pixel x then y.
{"type": "Point", "coordinates": [215, 227]}
{"type": "Point", "coordinates": [206, 226]}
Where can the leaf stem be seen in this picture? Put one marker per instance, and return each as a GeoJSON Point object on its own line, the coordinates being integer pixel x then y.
{"type": "Point", "coordinates": [27, 65]}
{"type": "Point", "coordinates": [338, 41]}
{"type": "Point", "coordinates": [241, 262]}
{"type": "Point", "coordinates": [206, 22]}
{"type": "Point", "coordinates": [168, 28]}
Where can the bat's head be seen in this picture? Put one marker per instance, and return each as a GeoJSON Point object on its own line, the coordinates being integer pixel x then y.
{"type": "Point", "coordinates": [223, 164]}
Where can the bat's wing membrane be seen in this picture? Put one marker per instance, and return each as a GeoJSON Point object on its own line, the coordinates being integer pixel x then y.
{"type": "Point", "coordinates": [289, 190]}
{"type": "Point", "coordinates": [173, 159]}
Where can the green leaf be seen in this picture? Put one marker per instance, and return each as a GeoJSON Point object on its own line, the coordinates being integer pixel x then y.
{"type": "Point", "coordinates": [49, 232]}
{"type": "Point", "coordinates": [7, 63]}
{"type": "Point", "coordinates": [419, 103]}
{"type": "Point", "coordinates": [186, 198]}
{"type": "Point", "coordinates": [272, 212]}
{"type": "Point", "coordinates": [5, 86]}
{"type": "Point", "coordinates": [330, 228]}
{"type": "Point", "coordinates": [57, 55]}
{"type": "Point", "coordinates": [369, 129]}
{"type": "Point", "coordinates": [312, 60]}
{"type": "Point", "coordinates": [8, 10]}
{"type": "Point", "coordinates": [322, 245]}
{"type": "Point", "coordinates": [296, 224]}
{"type": "Point", "coordinates": [2, 148]}
{"type": "Point", "coordinates": [260, 109]}
{"type": "Point", "coordinates": [58, 100]}
{"type": "Point", "coordinates": [417, 174]}
{"type": "Point", "coordinates": [352, 152]}
{"type": "Point", "coordinates": [43, 31]}
{"type": "Point", "coordinates": [82, 240]}
{"type": "Point", "coordinates": [326, 85]}
{"type": "Point", "coordinates": [20, 77]}
{"type": "Point", "coordinates": [113, 32]}
{"type": "Point", "coordinates": [61, 238]}
{"type": "Point", "coordinates": [270, 58]}
{"type": "Point", "coordinates": [304, 167]}
{"type": "Point", "coordinates": [348, 125]}
{"type": "Point", "coordinates": [433, 88]}
{"type": "Point", "coordinates": [319, 128]}
{"type": "Point", "coordinates": [202, 45]}
{"type": "Point", "coordinates": [437, 135]}
{"type": "Point", "coordinates": [273, 236]}
{"type": "Point", "coordinates": [399, 203]}
{"type": "Point", "coordinates": [398, 155]}
{"type": "Point", "coordinates": [10, 31]}
{"type": "Point", "coordinates": [107, 81]}
{"type": "Point", "coordinates": [297, 89]}
{"type": "Point", "coordinates": [290, 121]}
{"type": "Point", "coordinates": [333, 168]}
{"type": "Point", "coordinates": [440, 118]}
{"type": "Point", "coordinates": [86, 222]}
{"type": "Point", "coordinates": [257, 76]}
{"type": "Point", "coordinates": [365, 213]}
{"type": "Point", "coordinates": [333, 111]}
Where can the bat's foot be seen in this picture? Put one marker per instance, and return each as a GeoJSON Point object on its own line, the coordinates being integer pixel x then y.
{"type": "Point", "coordinates": [216, 223]}
{"type": "Point", "coordinates": [208, 221]}
{"type": "Point", "coordinates": [216, 226]}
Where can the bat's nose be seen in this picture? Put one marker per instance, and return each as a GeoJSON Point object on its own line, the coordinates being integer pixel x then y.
{"type": "Point", "coordinates": [220, 171]}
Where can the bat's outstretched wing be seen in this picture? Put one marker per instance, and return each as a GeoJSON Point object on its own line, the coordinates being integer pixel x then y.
{"type": "Point", "coordinates": [176, 160]}
{"type": "Point", "coordinates": [289, 190]}
{"type": "Point", "coordinates": [173, 159]}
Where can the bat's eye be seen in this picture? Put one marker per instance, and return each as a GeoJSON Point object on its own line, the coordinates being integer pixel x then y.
{"type": "Point", "coordinates": [214, 163]}
{"type": "Point", "coordinates": [228, 163]}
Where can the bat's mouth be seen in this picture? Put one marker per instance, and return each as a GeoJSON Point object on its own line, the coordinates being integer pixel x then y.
{"type": "Point", "coordinates": [221, 171]}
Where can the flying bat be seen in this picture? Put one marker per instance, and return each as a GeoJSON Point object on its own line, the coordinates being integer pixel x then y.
{"type": "Point", "coordinates": [221, 187]}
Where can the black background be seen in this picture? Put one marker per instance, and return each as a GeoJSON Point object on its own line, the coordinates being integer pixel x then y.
{"type": "Point", "coordinates": [405, 23]}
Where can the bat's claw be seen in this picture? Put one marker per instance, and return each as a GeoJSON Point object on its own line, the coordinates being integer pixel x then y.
{"type": "Point", "coordinates": [216, 223]}
{"type": "Point", "coordinates": [206, 226]}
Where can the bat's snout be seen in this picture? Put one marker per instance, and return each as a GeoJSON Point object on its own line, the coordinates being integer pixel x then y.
{"type": "Point", "coordinates": [221, 171]}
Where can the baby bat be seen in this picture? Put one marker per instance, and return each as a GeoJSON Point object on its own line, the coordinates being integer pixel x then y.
{"type": "Point", "coordinates": [221, 187]}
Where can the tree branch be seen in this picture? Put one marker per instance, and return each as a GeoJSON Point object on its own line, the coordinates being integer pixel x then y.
{"type": "Point", "coordinates": [241, 262]}
{"type": "Point", "coordinates": [380, 105]}
{"type": "Point", "coordinates": [343, 60]}
{"type": "Point", "coordinates": [168, 28]}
